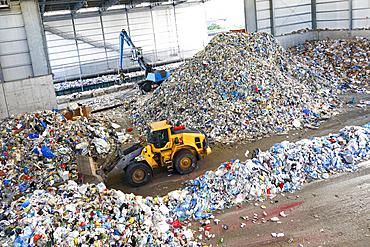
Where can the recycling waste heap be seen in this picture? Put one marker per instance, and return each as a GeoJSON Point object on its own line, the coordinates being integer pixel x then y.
{"type": "Point", "coordinates": [242, 86]}
{"type": "Point", "coordinates": [348, 59]}
{"type": "Point", "coordinates": [39, 150]}
{"type": "Point", "coordinates": [91, 215]}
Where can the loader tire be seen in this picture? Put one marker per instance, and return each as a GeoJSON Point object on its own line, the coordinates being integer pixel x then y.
{"type": "Point", "coordinates": [138, 174]}
{"type": "Point", "coordinates": [185, 161]}
{"type": "Point", "coordinates": [146, 87]}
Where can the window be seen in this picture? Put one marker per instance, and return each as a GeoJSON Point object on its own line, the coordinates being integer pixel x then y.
{"type": "Point", "coordinates": [4, 4]}
{"type": "Point", "coordinates": [158, 138]}
{"type": "Point", "coordinates": [163, 137]}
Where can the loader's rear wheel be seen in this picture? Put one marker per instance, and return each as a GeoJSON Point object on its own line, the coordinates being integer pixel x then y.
{"type": "Point", "coordinates": [185, 161]}
{"type": "Point", "coordinates": [138, 174]}
{"type": "Point", "coordinates": [146, 87]}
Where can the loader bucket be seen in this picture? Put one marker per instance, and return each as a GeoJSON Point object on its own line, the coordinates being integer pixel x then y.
{"type": "Point", "coordinates": [87, 170]}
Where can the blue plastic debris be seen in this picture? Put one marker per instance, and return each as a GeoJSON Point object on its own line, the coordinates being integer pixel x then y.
{"type": "Point", "coordinates": [47, 152]}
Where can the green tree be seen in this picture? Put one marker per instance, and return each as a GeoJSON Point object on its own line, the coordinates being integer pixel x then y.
{"type": "Point", "coordinates": [214, 26]}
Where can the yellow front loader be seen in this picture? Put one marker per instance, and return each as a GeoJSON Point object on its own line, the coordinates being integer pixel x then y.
{"type": "Point", "coordinates": [177, 148]}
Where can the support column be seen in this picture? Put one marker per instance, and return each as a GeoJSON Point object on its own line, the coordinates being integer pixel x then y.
{"type": "Point", "coordinates": [350, 9]}
{"type": "Point", "coordinates": [1, 75]}
{"type": "Point", "coordinates": [272, 16]}
{"type": "Point", "coordinates": [313, 15]}
{"type": "Point", "coordinates": [155, 42]}
{"type": "Point", "coordinates": [128, 24]}
{"type": "Point", "coordinates": [102, 31]}
{"type": "Point", "coordinates": [76, 42]}
{"type": "Point", "coordinates": [177, 32]}
{"type": "Point", "coordinates": [3, 104]}
{"type": "Point", "coordinates": [36, 42]}
{"type": "Point", "coordinates": [129, 33]}
{"type": "Point", "coordinates": [250, 15]}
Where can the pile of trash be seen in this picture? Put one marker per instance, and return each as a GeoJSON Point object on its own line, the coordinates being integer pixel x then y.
{"type": "Point", "coordinates": [62, 99]}
{"type": "Point", "coordinates": [74, 214]}
{"type": "Point", "coordinates": [242, 86]}
{"type": "Point", "coordinates": [347, 59]}
{"type": "Point", "coordinates": [305, 30]}
{"type": "Point", "coordinates": [107, 78]}
{"type": "Point", "coordinates": [86, 82]}
{"type": "Point", "coordinates": [38, 150]}
{"type": "Point", "coordinates": [282, 168]}
{"type": "Point", "coordinates": [103, 102]}
{"type": "Point", "coordinates": [89, 215]}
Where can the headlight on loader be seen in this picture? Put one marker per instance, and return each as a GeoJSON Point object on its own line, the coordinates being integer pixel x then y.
{"type": "Point", "coordinates": [140, 158]}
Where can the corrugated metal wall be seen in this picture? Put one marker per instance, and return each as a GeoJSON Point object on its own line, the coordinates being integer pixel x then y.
{"type": "Point", "coordinates": [292, 15]}
{"type": "Point", "coordinates": [88, 42]}
{"type": "Point", "coordinates": [15, 59]}
{"type": "Point", "coordinates": [263, 16]}
{"type": "Point", "coordinates": [288, 15]}
{"type": "Point", "coordinates": [332, 14]}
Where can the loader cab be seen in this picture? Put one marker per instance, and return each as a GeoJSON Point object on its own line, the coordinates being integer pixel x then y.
{"type": "Point", "coordinates": [159, 134]}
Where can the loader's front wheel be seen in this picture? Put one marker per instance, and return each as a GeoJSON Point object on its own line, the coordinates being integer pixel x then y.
{"type": "Point", "coordinates": [138, 174]}
{"type": "Point", "coordinates": [185, 161]}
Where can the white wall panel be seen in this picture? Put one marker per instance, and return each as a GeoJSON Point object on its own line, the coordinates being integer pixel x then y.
{"type": "Point", "coordinates": [13, 47]}
{"type": "Point", "coordinates": [280, 21]}
{"type": "Point", "coordinates": [332, 24]}
{"type": "Point", "coordinates": [361, 13]}
{"type": "Point", "coordinates": [360, 4]}
{"type": "Point", "coordinates": [11, 21]}
{"type": "Point", "coordinates": [263, 16]}
{"type": "Point", "coordinates": [15, 58]}
{"type": "Point", "coordinates": [361, 23]}
{"type": "Point", "coordinates": [262, 4]}
{"type": "Point", "coordinates": [12, 34]}
{"type": "Point", "coordinates": [12, 74]}
{"type": "Point", "coordinates": [333, 16]}
{"type": "Point", "coordinates": [331, 6]}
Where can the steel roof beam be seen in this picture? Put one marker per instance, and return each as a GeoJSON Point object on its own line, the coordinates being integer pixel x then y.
{"type": "Point", "coordinates": [107, 4]}
{"type": "Point", "coordinates": [178, 2]}
{"type": "Point", "coordinates": [77, 6]}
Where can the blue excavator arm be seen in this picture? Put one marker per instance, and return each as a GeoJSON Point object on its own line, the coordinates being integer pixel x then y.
{"type": "Point", "coordinates": [155, 76]}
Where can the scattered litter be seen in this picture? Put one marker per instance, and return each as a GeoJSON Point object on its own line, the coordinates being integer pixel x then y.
{"type": "Point", "coordinates": [282, 214]}
{"type": "Point", "coordinates": [277, 235]}
{"type": "Point", "coordinates": [274, 219]}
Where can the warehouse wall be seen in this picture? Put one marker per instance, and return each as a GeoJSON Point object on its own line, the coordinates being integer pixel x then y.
{"type": "Point", "coordinates": [298, 38]}
{"type": "Point", "coordinates": [27, 95]}
{"type": "Point", "coordinates": [15, 58]}
{"type": "Point", "coordinates": [284, 16]}
{"type": "Point", "coordinates": [25, 81]}
{"type": "Point", "coordinates": [88, 42]}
